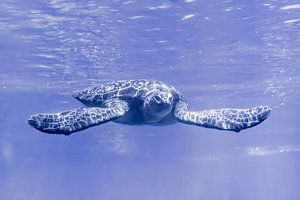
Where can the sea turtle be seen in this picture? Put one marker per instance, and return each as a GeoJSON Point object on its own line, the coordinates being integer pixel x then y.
{"type": "Point", "coordinates": [142, 102]}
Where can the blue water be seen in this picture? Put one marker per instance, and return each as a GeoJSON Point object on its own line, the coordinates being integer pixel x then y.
{"type": "Point", "coordinates": [218, 53]}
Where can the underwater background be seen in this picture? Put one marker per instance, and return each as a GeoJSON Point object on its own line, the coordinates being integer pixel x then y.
{"type": "Point", "coordinates": [218, 53]}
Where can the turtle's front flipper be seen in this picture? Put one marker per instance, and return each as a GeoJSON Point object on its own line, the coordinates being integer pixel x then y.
{"type": "Point", "coordinates": [223, 119]}
{"type": "Point", "coordinates": [71, 121]}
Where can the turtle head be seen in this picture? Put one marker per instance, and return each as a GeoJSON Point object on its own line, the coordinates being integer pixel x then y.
{"type": "Point", "coordinates": [157, 105]}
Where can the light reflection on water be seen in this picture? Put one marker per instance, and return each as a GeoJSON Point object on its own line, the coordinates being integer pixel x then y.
{"type": "Point", "coordinates": [217, 53]}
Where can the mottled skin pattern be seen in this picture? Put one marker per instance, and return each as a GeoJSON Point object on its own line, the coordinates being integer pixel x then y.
{"type": "Point", "coordinates": [223, 119]}
{"type": "Point", "coordinates": [78, 119]}
{"type": "Point", "coordinates": [142, 102]}
{"type": "Point", "coordinates": [127, 90]}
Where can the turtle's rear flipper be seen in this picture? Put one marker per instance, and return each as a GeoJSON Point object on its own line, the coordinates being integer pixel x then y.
{"type": "Point", "coordinates": [71, 121]}
{"type": "Point", "coordinates": [223, 119]}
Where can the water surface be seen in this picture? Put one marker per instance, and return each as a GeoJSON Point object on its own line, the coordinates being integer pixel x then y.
{"type": "Point", "coordinates": [219, 54]}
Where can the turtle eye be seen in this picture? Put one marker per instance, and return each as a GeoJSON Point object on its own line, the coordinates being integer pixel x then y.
{"type": "Point", "coordinates": [157, 98]}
